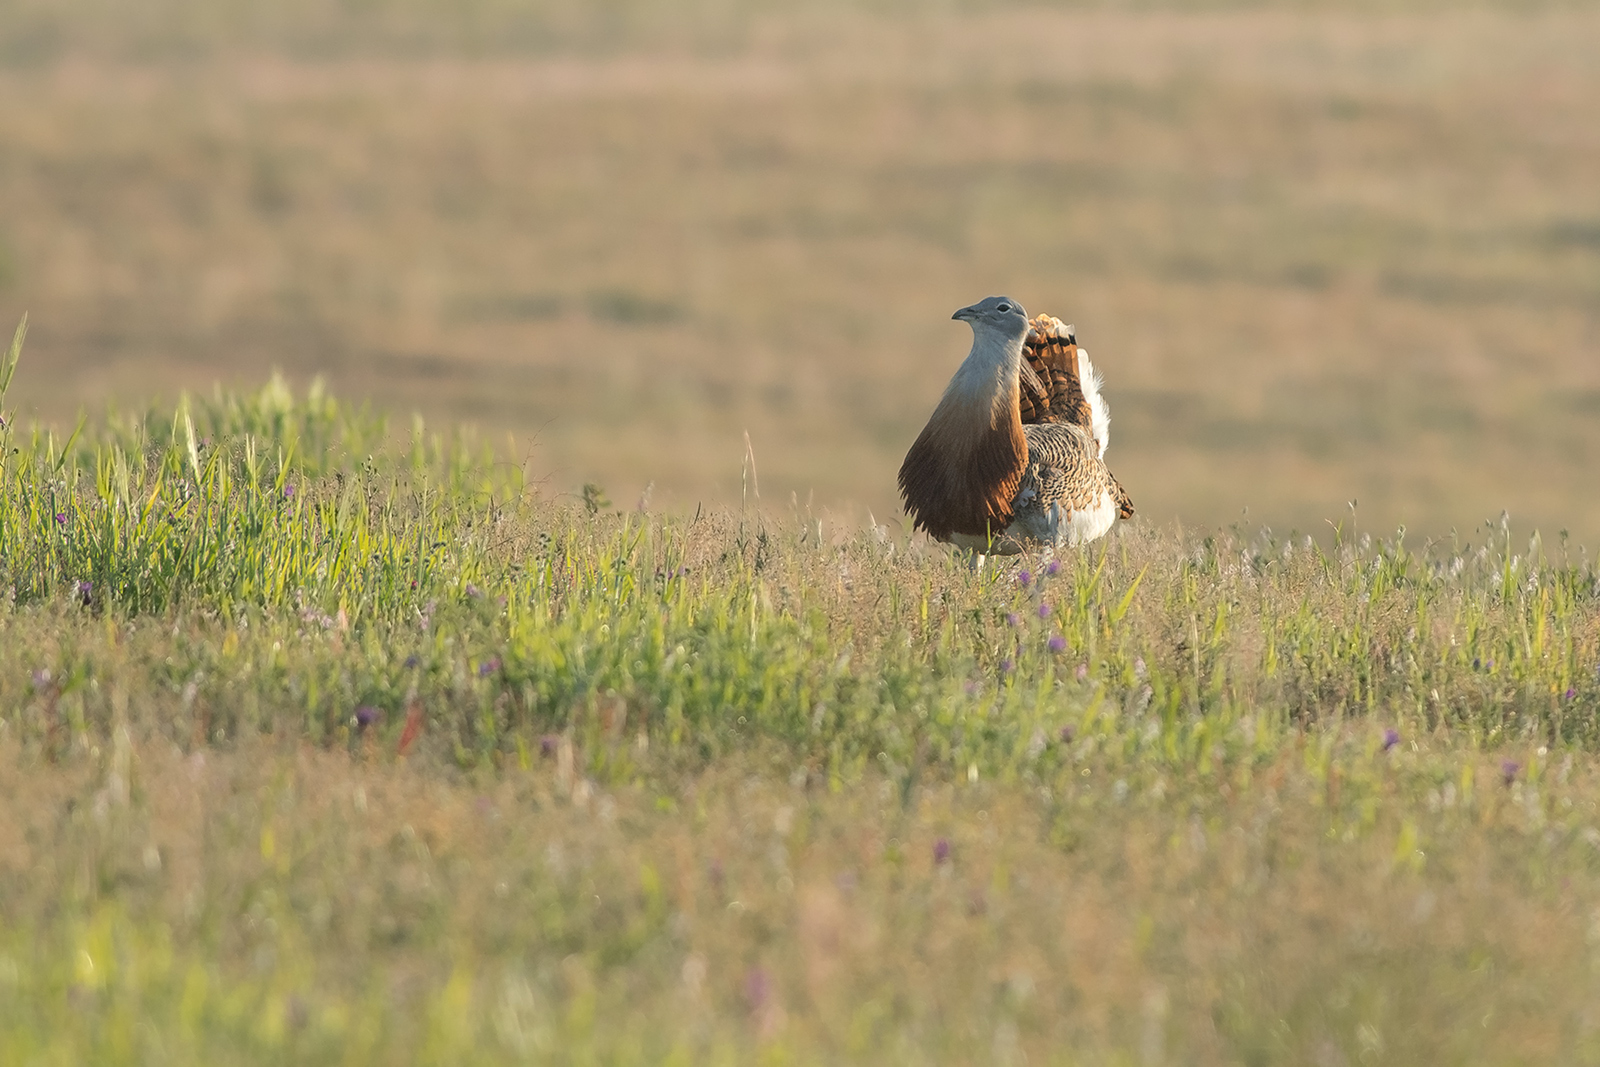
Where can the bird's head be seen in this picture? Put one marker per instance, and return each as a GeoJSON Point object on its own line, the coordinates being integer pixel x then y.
{"type": "Point", "coordinates": [998, 315]}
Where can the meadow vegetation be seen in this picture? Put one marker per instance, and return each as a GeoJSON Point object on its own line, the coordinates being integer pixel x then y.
{"type": "Point", "coordinates": [330, 733]}
{"type": "Point", "coordinates": [322, 749]}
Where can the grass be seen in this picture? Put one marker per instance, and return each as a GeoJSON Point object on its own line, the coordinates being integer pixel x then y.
{"type": "Point", "coordinates": [327, 748]}
{"type": "Point", "coordinates": [331, 737]}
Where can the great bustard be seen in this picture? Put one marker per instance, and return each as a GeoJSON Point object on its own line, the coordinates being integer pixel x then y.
{"type": "Point", "coordinates": [1013, 457]}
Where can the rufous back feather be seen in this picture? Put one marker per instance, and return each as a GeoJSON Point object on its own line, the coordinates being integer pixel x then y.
{"type": "Point", "coordinates": [1072, 384]}
{"type": "Point", "coordinates": [1052, 351]}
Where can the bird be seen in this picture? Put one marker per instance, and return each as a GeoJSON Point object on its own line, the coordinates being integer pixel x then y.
{"type": "Point", "coordinates": [1013, 457]}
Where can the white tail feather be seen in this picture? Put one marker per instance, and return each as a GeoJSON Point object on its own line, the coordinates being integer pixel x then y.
{"type": "Point", "coordinates": [1099, 411]}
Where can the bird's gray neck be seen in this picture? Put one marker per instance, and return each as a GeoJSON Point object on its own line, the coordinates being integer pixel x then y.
{"type": "Point", "coordinates": [990, 370]}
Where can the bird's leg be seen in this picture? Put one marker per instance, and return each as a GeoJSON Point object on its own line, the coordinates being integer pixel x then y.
{"type": "Point", "coordinates": [1053, 524]}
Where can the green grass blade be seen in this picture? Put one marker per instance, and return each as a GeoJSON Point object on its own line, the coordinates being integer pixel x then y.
{"type": "Point", "coordinates": [8, 366]}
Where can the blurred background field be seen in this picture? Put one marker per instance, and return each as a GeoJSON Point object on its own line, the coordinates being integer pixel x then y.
{"type": "Point", "coordinates": [1320, 252]}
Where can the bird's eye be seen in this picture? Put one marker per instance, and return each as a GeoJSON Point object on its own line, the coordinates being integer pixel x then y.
{"type": "Point", "coordinates": [1003, 307]}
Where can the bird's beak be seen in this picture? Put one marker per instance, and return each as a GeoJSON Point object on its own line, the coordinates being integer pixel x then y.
{"type": "Point", "coordinates": [965, 314]}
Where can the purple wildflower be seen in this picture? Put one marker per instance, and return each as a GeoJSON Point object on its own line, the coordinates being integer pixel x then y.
{"type": "Point", "coordinates": [85, 593]}
{"type": "Point", "coordinates": [412, 660]}
{"type": "Point", "coordinates": [61, 518]}
{"type": "Point", "coordinates": [1570, 693]}
{"type": "Point", "coordinates": [757, 988]}
{"type": "Point", "coordinates": [548, 744]}
{"type": "Point", "coordinates": [366, 715]}
{"type": "Point", "coordinates": [1007, 666]}
{"type": "Point", "coordinates": [1044, 611]}
{"type": "Point", "coordinates": [1012, 619]}
{"type": "Point", "coordinates": [473, 591]}
{"type": "Point", "coordinates": [1023, 577]}
{"type": "Point", "coordinates": [1391, 738]}
{"type": "Point", "coordinates": [1057, 643]}
{"type": "Point", "coordinates": [941, 850]}
{"type": "Point", "coordinates": [1053, 568]}
{"type": "Point", "coordinates": [288, 491]}
{"type": "Point", "coordinates": [488, 667]}
{"type": "Point", "coordinates": [1509, 769]}
{"type": "Point", "coordinates": [1068, 732]}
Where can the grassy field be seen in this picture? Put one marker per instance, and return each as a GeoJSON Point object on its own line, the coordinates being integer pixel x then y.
{"type": "Point", "coordinates": [334, 733]}
{"type": "Point", "coordinates": [323, 750]}
{"type": "Point", "coordinates": [1323, 252]}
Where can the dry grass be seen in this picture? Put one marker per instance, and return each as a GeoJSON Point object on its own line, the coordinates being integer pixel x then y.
{"type": "Point", "coordinates": [1321, 253]}
{"type": "Point", "coordinates": [281, 901]}
{"type": "Point", "coordinates": [318, 751]}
